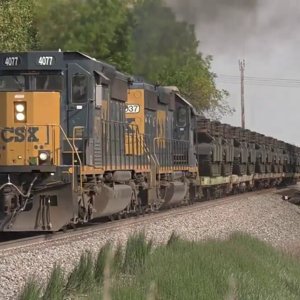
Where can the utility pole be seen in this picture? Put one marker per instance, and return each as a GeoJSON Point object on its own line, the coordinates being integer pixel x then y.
{"type": "Point", "coordinates": [242, 65]}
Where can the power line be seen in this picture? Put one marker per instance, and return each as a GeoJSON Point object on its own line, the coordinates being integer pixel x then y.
{"type": "Point", "coordinates": [259, 81]}
{"type": "Point", "coordinates": [259, 78]}
{"type": "Point", "coordinates": [261, 84]}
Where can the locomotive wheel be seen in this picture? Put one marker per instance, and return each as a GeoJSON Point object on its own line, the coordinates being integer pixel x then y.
{"type": "Point", "coordinates": [64, 229]}
{"type": "Point", "coordinates": [208, 195]}
{"type": "Point", "coordinates": [141, 211]}
{"type": "Point", "coordinates": [111, 217]}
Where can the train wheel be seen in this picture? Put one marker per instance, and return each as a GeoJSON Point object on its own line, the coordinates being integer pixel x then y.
{"type": "Point", "coordinates": [64, 229]}
{"type": "Point", "coordinates": [111, 217]}
{"type": "Point", "coordinates": [208, 195]}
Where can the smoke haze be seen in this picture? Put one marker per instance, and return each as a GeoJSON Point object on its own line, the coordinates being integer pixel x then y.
{"type": "Point", "coordinates": [265, 33]}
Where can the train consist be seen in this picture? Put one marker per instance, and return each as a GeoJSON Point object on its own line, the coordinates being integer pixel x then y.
{"type": "Point", "coordinates": [80, 140]}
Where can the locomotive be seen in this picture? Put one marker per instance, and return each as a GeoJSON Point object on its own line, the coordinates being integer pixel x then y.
{"type": "Point", "coordinates": [80, 140]}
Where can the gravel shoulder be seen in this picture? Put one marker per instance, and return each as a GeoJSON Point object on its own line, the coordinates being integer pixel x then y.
{"type": "Point", "coordinates": [265, 216]}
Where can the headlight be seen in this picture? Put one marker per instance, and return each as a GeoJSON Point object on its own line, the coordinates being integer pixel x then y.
{"type": "Point", "coordinates": [20, 111]}
{"type": "Point", "coordinates": [43, 156]}
{"type": "Point", "coordinates": [20, 116]}
{"type": "Point", "coordinates": [20, 108]}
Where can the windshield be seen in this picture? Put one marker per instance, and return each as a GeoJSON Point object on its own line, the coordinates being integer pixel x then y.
{"type": "Point", "coordinates": [31, 82]}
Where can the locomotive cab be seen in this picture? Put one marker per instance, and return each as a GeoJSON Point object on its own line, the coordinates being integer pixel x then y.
{"type": "Point", "coordinates": [62, 145]}
{"type": "Point", "coordinates": [31, 86]}
{"type": "Point", "coordinates": [30, 97]}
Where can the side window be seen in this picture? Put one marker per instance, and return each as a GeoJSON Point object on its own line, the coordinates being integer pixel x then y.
{"type": "Point", "coordinates": [181, 117]}
{"type": "Point", "coordinates": [79, 88]}
{"type": "Point", "coordinates": [105, 93]}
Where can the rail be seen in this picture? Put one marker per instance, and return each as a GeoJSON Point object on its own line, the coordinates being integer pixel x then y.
{"type": "Point", "coordinates": [123, 147]}
{"type": "Point", "coordinates": [171, 153]}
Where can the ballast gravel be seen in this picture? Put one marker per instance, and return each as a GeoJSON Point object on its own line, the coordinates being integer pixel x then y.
{"type": "Point", "coordinates": [266, 217]}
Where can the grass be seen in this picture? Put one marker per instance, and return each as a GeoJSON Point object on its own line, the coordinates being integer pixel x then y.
{"type": "Point", "coordinates": [56, 284]}
{"type": "Point", "coordinates": [81, 279]}
{"type": "Point", "coordinates": [31, 290]}
{"type": "Point", "coordinates": [100, 263]}
{"type": "Point", "coordinates": [136, 252]}
{"type": "Point", "coordinates": [240, 267]}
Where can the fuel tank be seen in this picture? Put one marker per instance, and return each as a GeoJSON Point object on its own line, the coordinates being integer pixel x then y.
{"type": "Point", "coordinates": [175, 193]}
{"type": "Point", "coordinates": [111, 200]}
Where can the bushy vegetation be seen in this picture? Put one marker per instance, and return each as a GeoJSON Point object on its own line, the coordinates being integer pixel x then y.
{"type": "Point", "coordinates": [141, 37]}
{"type": "Point", "coordinates": [241, 267]}
{"type": "Point", "coordinates": [17, 25]}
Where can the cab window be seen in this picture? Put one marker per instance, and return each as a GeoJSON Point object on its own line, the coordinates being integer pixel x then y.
{"type": "Point", "coordinates": [49, 83]}
{"type": "Point", "coordinates": [12, 83]}
{"type": "Point", "coordinates": [181, 117]}
{"type": "Point", "coordinates": [31, 82]}
{"type": "Point", "coordinates": [79, 88]}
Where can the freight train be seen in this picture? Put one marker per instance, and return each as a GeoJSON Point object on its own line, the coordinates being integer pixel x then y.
{"type": "Point", "coordinates": [80, 140]}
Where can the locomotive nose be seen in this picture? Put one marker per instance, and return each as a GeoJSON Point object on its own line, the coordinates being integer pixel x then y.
{"type": "Point", "coordinates": [28, 131]}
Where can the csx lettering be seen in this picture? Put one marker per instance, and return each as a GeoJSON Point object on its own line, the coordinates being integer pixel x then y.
{"type": "Point", "coordinates": [19, 134]}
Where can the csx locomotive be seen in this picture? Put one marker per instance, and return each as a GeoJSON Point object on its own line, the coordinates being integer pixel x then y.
{"type": "Point", "coordinates": [80, 140]}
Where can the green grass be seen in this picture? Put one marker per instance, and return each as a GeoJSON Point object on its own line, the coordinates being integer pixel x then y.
{"type": "Point", "coordinates": [100, 263]}
{"type": "Point", "coordinates": [136, 252]}
{"type": "Point", "coordinates": [56, 284]}
{"type": "Point", "coordinates": [81, 279]}
{"type": "Point", "coordinates": [241, 267]}
{"type": "Point", "coordinates": [31, 290]}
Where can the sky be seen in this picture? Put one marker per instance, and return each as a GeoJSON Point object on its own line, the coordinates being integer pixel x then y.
{"type": "Point", "coordinates": [265, 33]}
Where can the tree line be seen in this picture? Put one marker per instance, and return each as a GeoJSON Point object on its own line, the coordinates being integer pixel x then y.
{"type": "Point", "coordinates": [141, 37]}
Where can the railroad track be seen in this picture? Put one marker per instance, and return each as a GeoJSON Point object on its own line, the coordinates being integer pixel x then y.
{"type": "Point", "coordinates": [75, 234]}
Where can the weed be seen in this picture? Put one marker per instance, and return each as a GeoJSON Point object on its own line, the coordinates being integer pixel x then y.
{"type": "Point", "coordinates": [117, 260]}
{"type": "Point", "coordinates": [31, 290]}
{"type": "Point", "coordinates": [107, 277]}
{"type": "Point", "coordinates": [137, 249]}
{"type": "Point", "coordinates": [56, 285]}
{"type": "Point", "coordinates": [174, 237]}
{"type": "Point", "coordinates": [240, 267]}
{"type": "Point", "coordinates": [100, 262]}
{"type": "Point", "coordinates": [81, 279]}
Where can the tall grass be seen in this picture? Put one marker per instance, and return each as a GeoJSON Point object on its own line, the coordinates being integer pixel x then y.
{"type": "Point", "coordinates": [117, 262]}
{"type": "Point", "coordinates": [240, 267]}
{"type": "Point", "coordinates": [31, 291]}
{"type": "Point", "coordinates": [173, 239]}
{"type": "Point", "coordinates": [137, 249]}
{"type": "Point", "coordinates": [107, 277]}
{"type": "Point", "coordinates": [101, 262]}
{"type": "Point", "coordinates": [56, 285]}
{"type": "Point", "coordinates": [81, 279]}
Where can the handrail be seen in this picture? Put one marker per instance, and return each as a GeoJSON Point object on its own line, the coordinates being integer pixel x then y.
{"type": "Point", "coordinates": [137, 142]}
{"type": "Point", "coordinates": [78, 156]}
{"type": "Point", "coordinates": [167, 140]}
